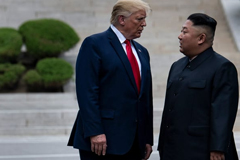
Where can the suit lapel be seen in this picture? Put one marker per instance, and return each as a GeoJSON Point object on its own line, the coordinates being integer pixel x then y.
{"type": "Point", "coordinates": [122, 55]}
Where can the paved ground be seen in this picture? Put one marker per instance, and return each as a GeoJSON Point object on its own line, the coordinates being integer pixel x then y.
{"type": "Point", "coordinates": [40, 148]}
{"type": "Point", "coordinates": [50, 148]}
{"type": "Point", "coordinates": [24, 118]}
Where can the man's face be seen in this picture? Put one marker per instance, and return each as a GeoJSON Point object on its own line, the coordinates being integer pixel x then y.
{"type": "Point", "coordinates": [188, 39]}
{"type": "Point", "coordinates": [134, 24]}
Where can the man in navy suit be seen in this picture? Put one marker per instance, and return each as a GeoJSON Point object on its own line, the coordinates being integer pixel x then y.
{"type": "Point", "coordinates": [115, 119]}
{"type": "Point", "coordinates": [201, 99]}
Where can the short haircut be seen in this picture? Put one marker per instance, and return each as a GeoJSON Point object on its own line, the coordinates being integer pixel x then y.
{"type": "Point", "coordinates": [127, 7]}
{"type": "Point", "coordinates": [206, 22]}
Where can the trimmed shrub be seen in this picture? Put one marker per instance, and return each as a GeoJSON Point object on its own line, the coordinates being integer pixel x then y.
{"type": "Point", "coordinates": [55, 72]}
{"type": "Point", "coordinates": [33, 80]}
{"type": "Point", "coordinates": [47, 37]}
{"type": "Point", "coordinates": [10, 74]}
{"type": "Point", "coordinates": [10, 45]}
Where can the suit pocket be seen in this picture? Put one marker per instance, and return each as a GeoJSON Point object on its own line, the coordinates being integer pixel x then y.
{"type": "Point", "coordinates": [198, 131]}
{"type": "Point", "coordinates": [197, 84]}
{"type": "Point", "coordinates": [107, 113]}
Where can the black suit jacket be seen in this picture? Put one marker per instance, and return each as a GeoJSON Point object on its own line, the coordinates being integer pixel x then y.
{"type": "Point", "coordinates": [108, 98]}
{"type": "Point", "coordinates": [200, 108]}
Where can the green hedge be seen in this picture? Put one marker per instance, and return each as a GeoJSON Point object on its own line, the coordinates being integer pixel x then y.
{"type": "Point", "coordinates": [10, 74]}
{"type": "Point", "coordinates": [10, 45]}
{"type": "Point", "coordinates": [33, 80]}
{"type": "Point", "coordinates": [47, 37]}
{"type": "Point", "coordinates": [51, 73]}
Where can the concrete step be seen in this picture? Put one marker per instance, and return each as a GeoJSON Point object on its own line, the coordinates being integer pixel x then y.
{"type": "Point", "coordinates": [45, 114]}
{"type": "Point", "coordinates": [51, 114]}
{"type": "Point", "coordinates": [160, 35]}
{"type": "Point", "coordinates": [37, 114]}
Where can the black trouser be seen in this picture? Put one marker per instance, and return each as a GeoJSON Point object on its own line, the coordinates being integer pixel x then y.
{"type": "Point", "coordinates": [133, 154]}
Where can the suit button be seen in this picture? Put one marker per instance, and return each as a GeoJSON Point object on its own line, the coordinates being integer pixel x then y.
{"type": "Point", "coordinates": [170, 110]}
{"type": "Point", "coordinates": [175, 94]}
{"type": "Point", "coordinates": [136, 120]}
{"type": "Point", "coordinates": [167, 126]}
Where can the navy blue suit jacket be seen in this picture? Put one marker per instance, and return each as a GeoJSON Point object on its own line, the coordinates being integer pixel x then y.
{"type": "Point", "coordinates": [108, 98]}
{"type": "Point", "coordinates": [200, 108]}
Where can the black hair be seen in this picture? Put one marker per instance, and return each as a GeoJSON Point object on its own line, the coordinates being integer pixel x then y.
{"type": "Point", "coordinates": [201, 19]}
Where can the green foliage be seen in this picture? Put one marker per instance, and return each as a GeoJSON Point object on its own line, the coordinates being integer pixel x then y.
{"type": "Point", "coordinates": [47, 37]}
{"type": "Point", "coordinates": [43, 38]}
{"type": "Point", "coordinates": [10, 45]}
{"type": "Point", "coordinates": [33, 79]}
{"type": "Point", "coordinates": [55, 72]}
{"type": "Point", "coordinates": [10, 75]}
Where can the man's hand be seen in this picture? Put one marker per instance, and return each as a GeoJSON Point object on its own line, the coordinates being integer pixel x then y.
{"type": "Point", "coordinates": [148, 151]}
{"type": "Point", "coordinates": [217, 156]}
{"type": "Point", "coordinates": [99, 144]}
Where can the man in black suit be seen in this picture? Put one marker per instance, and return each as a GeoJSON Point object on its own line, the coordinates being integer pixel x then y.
{"type": "Point", "coordinates": [114, 90]}
{"type": "Point", "coordinates": [201, 98]}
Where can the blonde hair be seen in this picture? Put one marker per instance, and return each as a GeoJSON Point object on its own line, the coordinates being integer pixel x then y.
{"type": "Point", "coordinates": [128, 7]}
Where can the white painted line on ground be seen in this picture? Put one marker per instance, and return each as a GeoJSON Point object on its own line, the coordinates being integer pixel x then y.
{"type": "Point", "coordinates": [34, 139]}
{"type": "Point", "coordinates": [46, 156]}
{"type": "Point", "coordinates": [39, 156]}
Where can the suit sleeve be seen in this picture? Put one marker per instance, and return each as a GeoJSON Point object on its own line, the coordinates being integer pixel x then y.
{"type": "Point", "coordinates": [87, 87]}
{"type": "Point", "coordinates": [223, 107]}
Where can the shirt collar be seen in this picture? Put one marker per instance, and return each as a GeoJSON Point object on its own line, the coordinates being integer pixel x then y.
{"type": "Point", "coordinates": [118, 33]}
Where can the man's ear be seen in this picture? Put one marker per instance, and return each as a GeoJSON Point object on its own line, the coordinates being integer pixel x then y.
{"type": "Point", "coordinates": [121, 20]}
{"type": "Point", "coordinates": [202, 38]}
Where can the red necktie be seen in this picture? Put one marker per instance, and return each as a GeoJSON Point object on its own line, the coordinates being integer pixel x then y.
{"type": "Point", "coordinates": [133, 61]}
